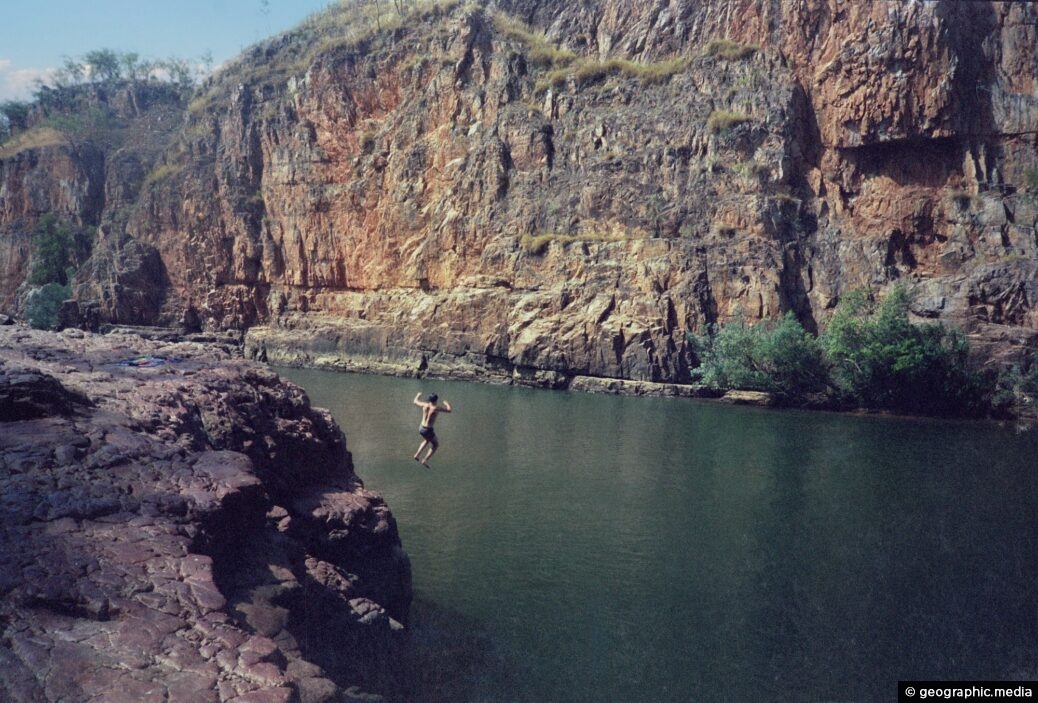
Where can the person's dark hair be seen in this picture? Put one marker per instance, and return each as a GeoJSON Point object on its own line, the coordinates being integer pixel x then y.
{"type": "Point", "coordinates": [433, 398]}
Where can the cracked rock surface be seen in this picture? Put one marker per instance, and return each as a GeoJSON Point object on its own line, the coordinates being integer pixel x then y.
{"type": "Point", "coordinates": [163, 527]}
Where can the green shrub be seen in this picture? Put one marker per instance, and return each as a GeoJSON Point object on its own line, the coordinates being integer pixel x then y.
{"type": "Point", "coordinates": [41, 310]}
{"type": "Point", "coordinates": [880, 359]}
{"type": "Point", "coordinates": [781, 358]}
{"type": "Point", "coordinates": [1015, 387]}
{"type": "Point", "coordinates": [871, 356]}
{"type": "Point", "coordinates": [727, 357]}
{"type": "Point", "coordinates": [793, 358]}
{"type": "Point", "coordinates": [14, 117]}
{"type": "Point", "coordinates": [1032, 179]}
{"type": "Point", "coordinates": [52, 251]}
{"type": "Point", "coordinates": [1029, 380]}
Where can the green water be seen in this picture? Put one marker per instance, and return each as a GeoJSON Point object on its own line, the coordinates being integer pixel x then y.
{"type": "Point", "coordinates": [570, 547]}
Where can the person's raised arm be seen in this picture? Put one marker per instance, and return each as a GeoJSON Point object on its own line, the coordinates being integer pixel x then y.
{"type": "Point", "coordinates": [417, 396]}
{"type": "Point", "coordinates": [446, 406]}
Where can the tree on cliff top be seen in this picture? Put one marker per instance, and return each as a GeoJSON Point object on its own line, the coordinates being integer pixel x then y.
{"type": "Point", "coordinates": [104, 66]}
{"type": "Point", "coordinates": [14, 117]}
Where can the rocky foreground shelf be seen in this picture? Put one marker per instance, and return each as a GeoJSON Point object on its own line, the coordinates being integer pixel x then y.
{"type": "Point", "coordinates": [179, 525]}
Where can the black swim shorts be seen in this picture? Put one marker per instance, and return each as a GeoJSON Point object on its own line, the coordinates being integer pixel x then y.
{"type": "Point", "coordinates": [427, 433]}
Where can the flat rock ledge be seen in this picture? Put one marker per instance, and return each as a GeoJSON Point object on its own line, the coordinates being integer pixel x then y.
{"type": "Point", "coordinates": [181, 526]}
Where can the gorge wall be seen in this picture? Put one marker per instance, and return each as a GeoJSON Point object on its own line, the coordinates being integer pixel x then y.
{"type": "Point", "coordinates": [536, 190]}
{"type": "Point", "coordinates": [183, 528]}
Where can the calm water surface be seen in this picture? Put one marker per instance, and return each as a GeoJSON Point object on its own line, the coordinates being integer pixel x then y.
{"type": "Point", "coordinates": [571, 547]}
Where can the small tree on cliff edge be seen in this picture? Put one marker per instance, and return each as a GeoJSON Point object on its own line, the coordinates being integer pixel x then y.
{"type": "Point", "coordinates": [106, 64]}
{"type": "Point", "coordinates": [14, 118]}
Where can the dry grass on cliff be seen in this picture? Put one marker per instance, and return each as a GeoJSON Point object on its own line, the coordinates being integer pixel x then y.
{"type": "Point", "coordinates": [565, 66]}
{"type": "Point", "coordinates": [730, 50]}
{"type": "Point", "coordinates": [721, 121]}
{"type": "Point", "coordinates": [348, 25]}
{"type": "Point", "coordinates": [540, 52]}
{"type": "Point", "coordinates": [587, 72]}
{"type": "Point", "coordinates": [33, 139]}
{"type": "Point", "coordinates": [162, 172]}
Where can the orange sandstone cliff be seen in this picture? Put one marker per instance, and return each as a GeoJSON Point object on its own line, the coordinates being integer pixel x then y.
{"type": "Point", "coordinates": [538, 190]}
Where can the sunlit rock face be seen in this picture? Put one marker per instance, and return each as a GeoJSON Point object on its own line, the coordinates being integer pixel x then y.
{"type": "Point", "coordinates": [573, 197]}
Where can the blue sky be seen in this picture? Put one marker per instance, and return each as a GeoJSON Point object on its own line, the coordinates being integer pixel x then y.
{"type": "Point", "coordinates": [35, 36]}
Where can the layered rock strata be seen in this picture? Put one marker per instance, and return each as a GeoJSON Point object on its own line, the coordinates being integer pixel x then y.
{"type": "Point", "coordinates": [181, 527]}
{"type": "Point", "coordinates": [545, 190]}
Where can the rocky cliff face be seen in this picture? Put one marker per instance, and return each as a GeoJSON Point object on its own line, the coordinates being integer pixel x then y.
{"type": "Point", "coordinates": [187, 531]}
{"type": "Point", "coordinates": [537, 190]}
{"type": "Point", "coordinates": [89, 152]}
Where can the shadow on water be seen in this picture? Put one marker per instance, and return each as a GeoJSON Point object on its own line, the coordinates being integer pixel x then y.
{"type": "Point", "coordinates": [449, 657]}
{"type": "Point", "coordinates": [444, 657]}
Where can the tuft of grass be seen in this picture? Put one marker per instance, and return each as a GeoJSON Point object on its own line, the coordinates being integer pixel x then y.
{"type": "Point", "coordinates": [37, 138]}
{"type": "Point", "coordinates": [347, 25]}
{"type": "Point", "coordinates": [540, 53]}
{"type": "Point", "coordinates": [660, 71]}
{"type": "Point", "coordinates": [562, 65]}
{"type": "Point", "coordinates": [724, 231]}
{"type": "Point", "coordinates": [750, 170]}
{"type": "Point", "coordinates": [785, 197]}
{"type": "Point", "coordinates": [554, 79]}
{"type": "Point", "coordinates": [587, 72]}
{"type": "Point", "coordinates": [536, 245]}
{"type": "Point", "coordinates": [160, 173]}
{"type": "Point", "coordinates": [730, 50]}
{"type": "Point", "coordinates": [721, 121]}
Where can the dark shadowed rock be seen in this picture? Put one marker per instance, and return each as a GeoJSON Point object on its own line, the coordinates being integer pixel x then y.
{"type": "Point", "coordinates": [29, 394]}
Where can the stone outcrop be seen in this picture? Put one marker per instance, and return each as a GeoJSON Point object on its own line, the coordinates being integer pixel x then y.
{"type": "Point", "coordinates": [84, 162]}
{"type": "Point", "coordinates": [574, 197]}
{"type": "Point", "coordinates": [183, 527]}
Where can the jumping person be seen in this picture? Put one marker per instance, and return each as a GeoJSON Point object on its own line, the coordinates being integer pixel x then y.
{"type": "Point", "coordinates": [429, 412]}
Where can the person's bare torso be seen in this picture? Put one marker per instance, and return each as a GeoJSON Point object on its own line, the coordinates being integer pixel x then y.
{"type": "Point", "coordinates": [429, 411]}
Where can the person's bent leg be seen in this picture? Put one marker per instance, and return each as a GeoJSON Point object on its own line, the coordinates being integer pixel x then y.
{"type": "Point", "coordinates": [420, 448]}
{"type": "Point", "coordinates": [433, 446]}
